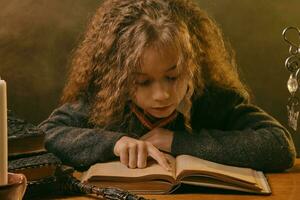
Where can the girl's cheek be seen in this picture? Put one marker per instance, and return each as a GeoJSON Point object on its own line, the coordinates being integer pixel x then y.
{"type": "Point", "coordinates": [180, 84]}
{"type": "Point", "coordinates": [142, 93]}
{"type": "Point", "coordinates": [181, 88]}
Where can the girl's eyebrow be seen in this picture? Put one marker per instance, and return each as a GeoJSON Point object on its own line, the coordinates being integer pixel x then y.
{"type": "Point", "coordinates": [170, 69]}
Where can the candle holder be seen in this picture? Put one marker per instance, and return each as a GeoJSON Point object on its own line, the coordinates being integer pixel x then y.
{"type": "Point", "coordinates": [15, 188]}
{"type": "Point", "coordinates": [292, 63]}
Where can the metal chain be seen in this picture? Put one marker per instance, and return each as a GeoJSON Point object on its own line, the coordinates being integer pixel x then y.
{"type": "Point", "coordinates": [292, 63]}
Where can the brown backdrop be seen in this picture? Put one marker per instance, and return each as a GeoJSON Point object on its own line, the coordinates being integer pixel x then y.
{"type": "Point", "coordinates": [37, 37]}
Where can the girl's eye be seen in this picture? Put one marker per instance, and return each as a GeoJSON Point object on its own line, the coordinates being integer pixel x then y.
{"type": "Point", "coordinates": [144, 83]}
{"type": "Point", "coordinates": [171, 78]}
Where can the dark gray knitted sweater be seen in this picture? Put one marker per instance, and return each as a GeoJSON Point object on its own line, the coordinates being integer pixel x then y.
{"type": "Point", "coordinates": [226, 129]}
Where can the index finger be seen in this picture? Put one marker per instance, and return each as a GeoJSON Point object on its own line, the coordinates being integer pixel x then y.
{"type": "Point", "coordinates": [159, 157]}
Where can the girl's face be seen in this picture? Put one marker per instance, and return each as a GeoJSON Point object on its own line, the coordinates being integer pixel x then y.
{"type": "Point", "coordinates": [160, 84]}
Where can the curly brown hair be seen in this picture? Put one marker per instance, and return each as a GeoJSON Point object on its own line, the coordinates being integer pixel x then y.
{"type": "Point", "coordinates": [103, 65]}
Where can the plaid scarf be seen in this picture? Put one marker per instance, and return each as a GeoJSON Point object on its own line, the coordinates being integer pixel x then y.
{"type": "Point", "coordinates": [143, 118]}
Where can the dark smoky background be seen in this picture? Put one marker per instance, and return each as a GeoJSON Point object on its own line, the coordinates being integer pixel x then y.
{"type": "Point", "coordinates": [37, 39]}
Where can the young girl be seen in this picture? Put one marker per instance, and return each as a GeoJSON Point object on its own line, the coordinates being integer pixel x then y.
{"type": "Point", "coordinates": [153, 77]}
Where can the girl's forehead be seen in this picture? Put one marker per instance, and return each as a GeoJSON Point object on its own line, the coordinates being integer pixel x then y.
{"type": "Point", "coordinates": [158, 59]}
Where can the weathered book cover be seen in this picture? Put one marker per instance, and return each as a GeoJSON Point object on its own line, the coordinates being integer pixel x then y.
{"type": "Point", "coordinates": [24, 138]}
{"type": "Point", "coordinates": [40, 171]}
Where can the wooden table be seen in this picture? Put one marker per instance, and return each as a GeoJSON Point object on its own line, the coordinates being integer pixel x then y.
{"type": "Point", "coordinates": [285, 186]}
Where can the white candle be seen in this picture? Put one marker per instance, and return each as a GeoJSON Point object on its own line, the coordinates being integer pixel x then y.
{"type": "Point", "coordinates": [3, 133]}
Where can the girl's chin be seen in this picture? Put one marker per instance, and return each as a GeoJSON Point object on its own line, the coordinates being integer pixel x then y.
{"type": "Point", "coordinates": [159, 116]}
{"type": "Point", "coordinates": [161, 113]}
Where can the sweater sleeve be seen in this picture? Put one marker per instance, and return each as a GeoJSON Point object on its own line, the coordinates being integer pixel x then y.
{"type": "Point", "coordinates": [69, 137]}
{"type": "Point", "coordinates": [232, 131]}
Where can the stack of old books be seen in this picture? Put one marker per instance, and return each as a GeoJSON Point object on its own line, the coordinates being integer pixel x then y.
{"type": "Point", "coordinates": [26, 155]}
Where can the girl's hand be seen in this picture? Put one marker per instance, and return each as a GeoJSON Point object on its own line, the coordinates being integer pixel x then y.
{"type": "Point", "coordinates": [161, 138]}
{"type": "Point", "coordinates": [134, 153]}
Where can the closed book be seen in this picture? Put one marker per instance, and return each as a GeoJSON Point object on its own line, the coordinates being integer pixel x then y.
{"type": "Point", "coordinates": [35, 167]}
{"type": "Point", "coordinates": [24, 138]}
{"type": "Point", "coordinates": [40, 171]}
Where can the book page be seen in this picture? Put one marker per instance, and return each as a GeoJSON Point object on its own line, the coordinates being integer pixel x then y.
{"type": "Point", "coordinates": [188, 165]}
{"type": "Point", "coordinates": [116, 171]}
{"type": "Point", "coordinates": [262, 182]}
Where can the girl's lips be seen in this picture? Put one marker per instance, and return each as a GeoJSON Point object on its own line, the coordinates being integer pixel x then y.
{"type": "Point", "coordinates": [161, 112]}
{"type": "Point", "coordinates": [162, 108]}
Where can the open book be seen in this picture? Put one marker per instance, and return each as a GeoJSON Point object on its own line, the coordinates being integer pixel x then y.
{"type": "Point", "coordinates": [186, 169]}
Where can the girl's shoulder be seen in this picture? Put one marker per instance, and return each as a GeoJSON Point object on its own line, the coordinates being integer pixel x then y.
{"type": "Point", "coordinates": [218, 98]}
{"type": "Point", "coordinates": [80, 107]}
{"type": "Point", "coordinates": [211, 109]}
{"type": "Point", "coordinates": [214, 93]}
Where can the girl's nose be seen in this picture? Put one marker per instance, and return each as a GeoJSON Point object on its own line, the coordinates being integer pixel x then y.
{"type": "Point", "coordinates": [160, 92]}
